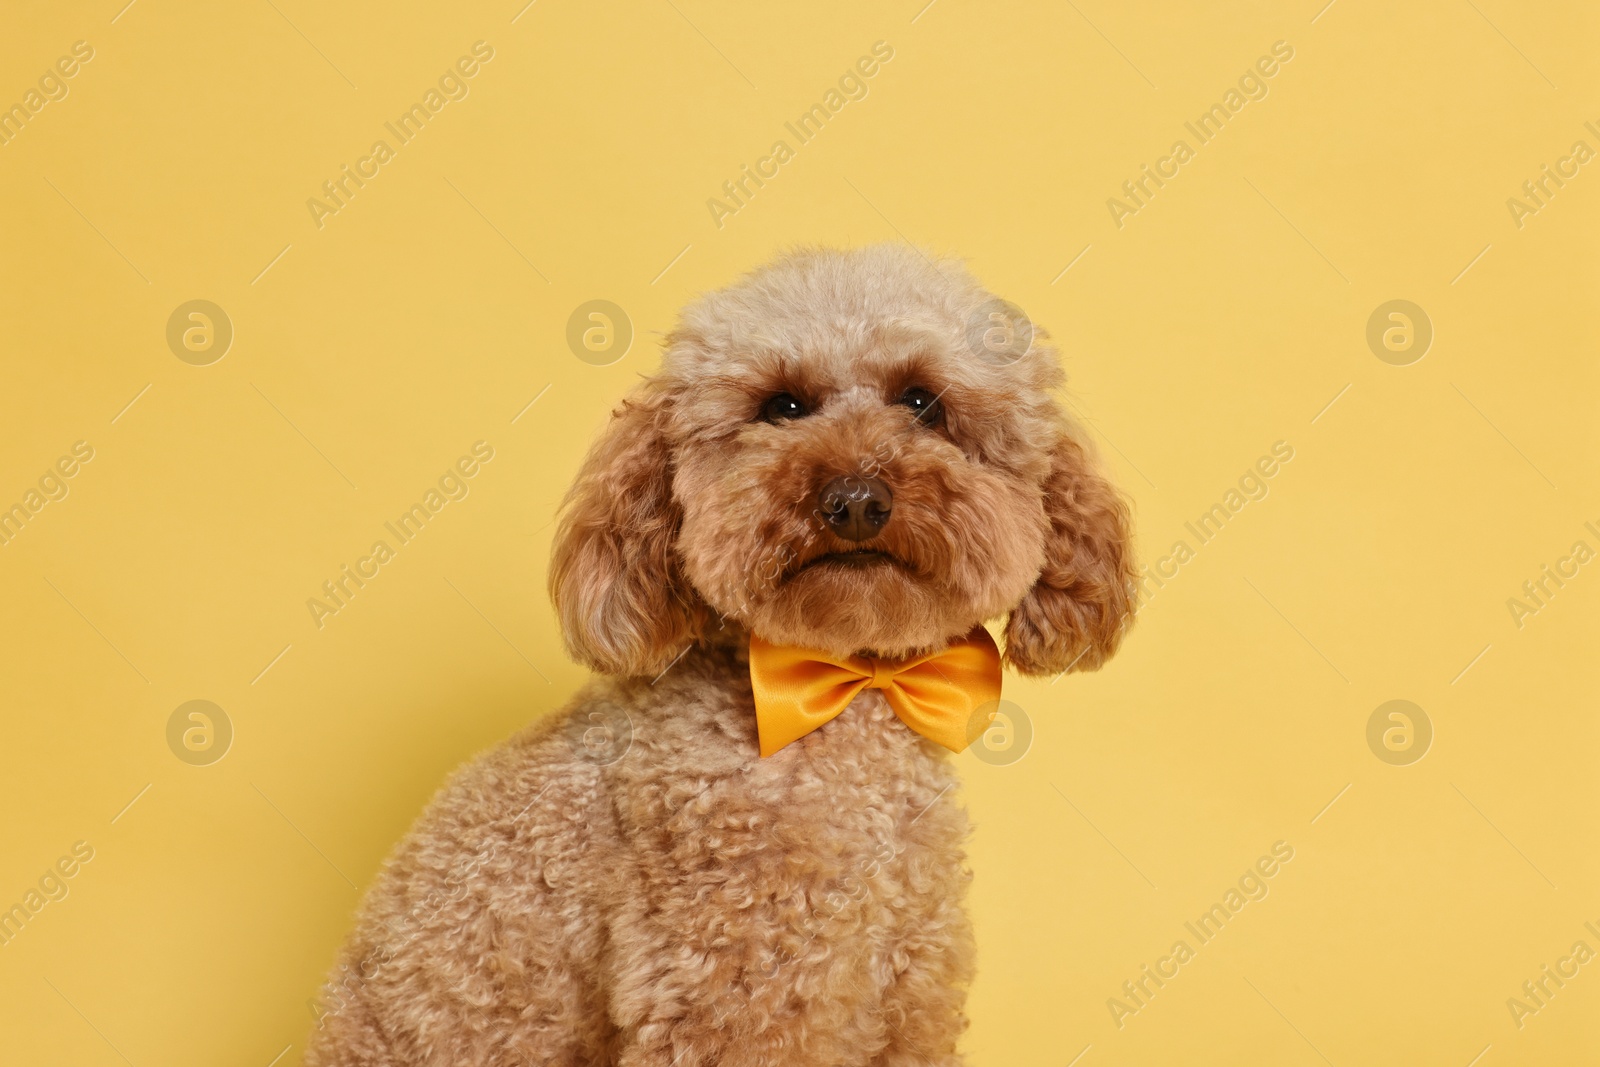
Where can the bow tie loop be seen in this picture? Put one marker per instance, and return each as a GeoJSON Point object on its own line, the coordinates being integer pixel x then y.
{"type": "Point", "coordinates": [883, 672]}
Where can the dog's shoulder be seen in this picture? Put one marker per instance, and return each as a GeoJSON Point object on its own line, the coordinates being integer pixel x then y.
{"type": "Point", "coordinates": [532, 794]}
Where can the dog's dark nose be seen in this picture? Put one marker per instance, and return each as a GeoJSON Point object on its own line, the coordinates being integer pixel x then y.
{"type": "Point", "coordinates": [856, 508]}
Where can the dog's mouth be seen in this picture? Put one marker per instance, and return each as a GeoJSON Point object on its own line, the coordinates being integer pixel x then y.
{"type": "Point", "coordinates": [854, 559]}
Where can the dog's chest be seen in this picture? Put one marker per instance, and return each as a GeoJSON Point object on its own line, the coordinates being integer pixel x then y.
{"type": "Point", "coordinates": [847, 838]}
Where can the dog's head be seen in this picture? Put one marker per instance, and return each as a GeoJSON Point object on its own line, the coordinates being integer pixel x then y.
{"type": "Point", "coordinates": [841, 453]}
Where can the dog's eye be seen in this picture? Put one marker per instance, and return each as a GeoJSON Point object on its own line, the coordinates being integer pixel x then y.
{"type": "Point", "coordinates": [782, 406]}
{"type": "Point", "coordinates": [924, 404]}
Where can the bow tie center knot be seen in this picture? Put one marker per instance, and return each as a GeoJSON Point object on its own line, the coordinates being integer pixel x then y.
{"type": "Point", "coordinates": [883, 672]}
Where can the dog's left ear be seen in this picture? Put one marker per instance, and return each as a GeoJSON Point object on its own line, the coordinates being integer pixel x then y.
{"type": "Point", "coordinates": [619, 591]}
{"type": "Point", "coordinates": [1084, 598]}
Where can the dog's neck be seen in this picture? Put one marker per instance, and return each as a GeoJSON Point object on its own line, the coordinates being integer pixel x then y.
{"type": "Point", "coordinates": [730, 636]}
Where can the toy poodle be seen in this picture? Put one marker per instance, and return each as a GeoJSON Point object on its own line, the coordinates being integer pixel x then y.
{"type": "Point", "coordinates": [738, 845]}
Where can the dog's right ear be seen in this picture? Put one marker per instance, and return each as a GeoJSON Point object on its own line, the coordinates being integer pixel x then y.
{"type": "Point", "coordinates": [618, 587]}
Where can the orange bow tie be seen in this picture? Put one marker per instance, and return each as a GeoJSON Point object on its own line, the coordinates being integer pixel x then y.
{"type": "Point", "coordinates": [798, 690]}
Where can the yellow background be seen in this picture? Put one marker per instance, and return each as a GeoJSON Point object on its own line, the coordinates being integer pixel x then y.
{"type": "Point", "coordinates": [1223, 317]}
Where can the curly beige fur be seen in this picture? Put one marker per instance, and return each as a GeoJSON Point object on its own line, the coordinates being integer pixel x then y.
{"type": "Point", "coordinates": [628, 882]}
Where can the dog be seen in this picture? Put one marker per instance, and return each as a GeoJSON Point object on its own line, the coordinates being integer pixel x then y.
{"type": "Point", "coordinates": [854, 453]}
